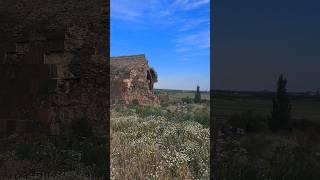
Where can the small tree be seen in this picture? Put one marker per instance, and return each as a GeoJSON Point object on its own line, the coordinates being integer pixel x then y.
{"type": "Point", "coordinates": [281, 112]}
{"type": "Point", "coordinates": [187, 100]}
{"type": "Point", "coordinates": [197, 97]}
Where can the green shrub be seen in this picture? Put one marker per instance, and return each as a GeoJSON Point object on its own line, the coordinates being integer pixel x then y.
{"type": "Point", "coordinates": [179, 116]}
{"type": "Point", "coordinates": [126, 110]}
{"type": "Point", "coordinates": [202, 117]}
{"type": "Point", "coordinates": [187, 100]}
{"type": "Point", "coordinates": [145, 111]}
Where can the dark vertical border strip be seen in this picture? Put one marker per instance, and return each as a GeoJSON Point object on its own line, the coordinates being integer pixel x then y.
{"type": "Point", "coordinates": [212, 121]}
{"type": "Point", "coordinates": [107, 49]}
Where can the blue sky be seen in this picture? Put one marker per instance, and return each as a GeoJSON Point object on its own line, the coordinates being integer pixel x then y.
{"type": "Point", "coordinates": [256, 41]}
{"type": "Point", "coordinates": [173, 34]}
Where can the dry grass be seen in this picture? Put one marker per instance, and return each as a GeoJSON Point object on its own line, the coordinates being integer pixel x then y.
{"type": "Point", "coordinates": [157, 148]}
{"type": "Point", "coordinates": [52, 159]}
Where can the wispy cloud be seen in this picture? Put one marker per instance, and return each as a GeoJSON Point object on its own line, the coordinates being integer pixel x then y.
{"type": "Point", "coordinates": [188, 4]}
{"type": "Point", "coordinates": [194, 23]}
{"type": "Point", "coordinates": [193, 41]}
{"type": "Point", "coordinates": [172, 15]}
{"type": "Point", "coordinates": [149, 10]}
{"type": "Point", "coordinates": [123, 11]}
{"type": "Point", "coordinates": [178, 6]}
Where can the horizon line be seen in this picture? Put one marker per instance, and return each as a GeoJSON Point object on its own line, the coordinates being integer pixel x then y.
{"type": "Point", "coordinates": [268, 91]}
{"type": "Point", "coordinates": [180, 89]}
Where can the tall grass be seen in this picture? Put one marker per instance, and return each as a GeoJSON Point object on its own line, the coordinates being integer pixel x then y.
{"type": "Point", "coordinates": [58, 157]}
{"type": "Point", "coordinates": [283, 155]}
{"type": "Point", "coordinates": [148, 145]}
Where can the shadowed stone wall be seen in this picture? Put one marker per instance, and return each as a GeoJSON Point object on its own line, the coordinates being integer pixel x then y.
{"type": "Point", "coordinates": [54, 65]}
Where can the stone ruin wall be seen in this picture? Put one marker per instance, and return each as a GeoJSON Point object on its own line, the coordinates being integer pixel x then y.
{"type": "Point", "coordinates": [23, 88]}
{"type": "Point", "coordinates": [70, 82]}
{"type": "Point", "coordinates": [131, 85]}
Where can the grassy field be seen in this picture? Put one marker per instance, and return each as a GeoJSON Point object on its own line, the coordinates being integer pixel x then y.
{"type": "Point", "coordinates": [227, 104]}
{"type": "Point", "coordinates": [179, 94]}
{"type": "Point", "coordinates": [167, 142]}
{"type": "Point", "coordinates": [259, 153]}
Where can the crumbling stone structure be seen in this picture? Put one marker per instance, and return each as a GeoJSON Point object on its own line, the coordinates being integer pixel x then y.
{"type": "Point", "coordinates": [54, 82]}
{"type": "Point", "coordinates": [54, 72]}
{"type": "Point", "coordinates": [132, 81]}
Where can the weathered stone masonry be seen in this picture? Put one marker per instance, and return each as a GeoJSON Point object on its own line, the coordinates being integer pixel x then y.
{"type": "Point", "coordinates": [53, 82]}
{"type": "Point", "coordinates": [132, 81]}
{"type": "Point", "coordinates": [54, 66]}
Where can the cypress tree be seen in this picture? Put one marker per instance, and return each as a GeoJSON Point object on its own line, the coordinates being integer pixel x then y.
{"type": "Point", "coordinates": [197, 97]}
{"type": "Point", "coordinates": [281, 110]}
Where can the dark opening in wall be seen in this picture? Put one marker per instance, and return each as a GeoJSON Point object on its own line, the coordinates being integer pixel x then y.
{"type": "Point", "coordinates": [135, 102]}
{"type": "Point", "coordinates": [149, 78]}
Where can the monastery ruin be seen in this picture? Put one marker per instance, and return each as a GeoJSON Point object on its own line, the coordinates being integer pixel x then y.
{"type": "Point", "coordinates": [132, 81]}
